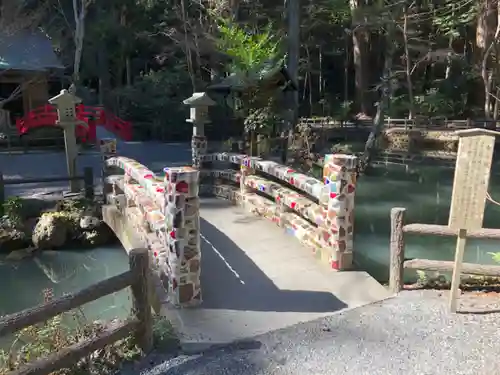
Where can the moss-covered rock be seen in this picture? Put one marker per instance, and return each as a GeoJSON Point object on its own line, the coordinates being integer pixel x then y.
{"type": "Point", "coordinates": [52, 230]}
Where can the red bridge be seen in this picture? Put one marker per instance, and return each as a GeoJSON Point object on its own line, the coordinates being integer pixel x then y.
{"type": "Point", "coordinates": [93, 116]}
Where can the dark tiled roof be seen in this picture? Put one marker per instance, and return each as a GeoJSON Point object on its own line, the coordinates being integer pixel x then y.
{"type": "Point", "coordinates": [27, 50]}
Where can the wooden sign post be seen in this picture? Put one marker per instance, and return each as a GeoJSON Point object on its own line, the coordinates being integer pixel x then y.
{"type": "Point", "coordinates": [470, 188]}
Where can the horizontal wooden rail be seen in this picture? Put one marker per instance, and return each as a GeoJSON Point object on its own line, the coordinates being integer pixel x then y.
{"type": "Point", "coordinates": [69, 356]}
{"type": "Point", "coordinates": [397, 250]}
{"type": "Point", "coordinates": [447, 266]}
{"type": "Point", "coordinates": [17, 321]}
{"type": "Point", "coordinates": [443, 230]}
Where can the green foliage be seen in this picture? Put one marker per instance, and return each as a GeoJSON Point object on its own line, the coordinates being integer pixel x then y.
{"type": "Point", "coordinates": [250, 51]}
{"type": "Point", "coordinates": [261, 119]}
{"type": "Point", "coordinates": [452, 17]}
{"type": "Point", "coordinates": [13, 209]}
{"type": "Point", "coordinates": [154, 101]}
{"type": "Point", "coordinates": [434, 103]}
{"type": "Point", "coordinates": [495, 257]}
{"type": "Point", "coordinates": [164, 336]}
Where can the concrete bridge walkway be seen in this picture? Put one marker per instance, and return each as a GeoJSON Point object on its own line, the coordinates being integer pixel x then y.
{"type": "Point", "coordinates": [257, 279]}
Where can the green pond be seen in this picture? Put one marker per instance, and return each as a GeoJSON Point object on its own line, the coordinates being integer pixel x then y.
{"type": "Point", "coordinates": [425, 193]}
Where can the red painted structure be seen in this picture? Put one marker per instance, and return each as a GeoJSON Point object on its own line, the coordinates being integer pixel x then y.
{"type": "Point", "coordinates": [93, 116]}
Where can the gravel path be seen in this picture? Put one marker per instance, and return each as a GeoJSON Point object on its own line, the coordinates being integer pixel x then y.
{"type": "Point", "coordinates": [410, 334]}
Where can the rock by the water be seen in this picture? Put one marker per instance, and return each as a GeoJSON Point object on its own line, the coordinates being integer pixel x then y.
{"type": "Point", "coordinates": [51, 231]}
{"type": "Point", "coordinates": [99, 236]}
{"type": "Point", "coordinates": [89, 222]}
{"type": "Point", "coordinates": [12, 239]}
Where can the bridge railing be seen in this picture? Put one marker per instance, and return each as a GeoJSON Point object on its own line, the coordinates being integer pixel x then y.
{"type": "Point", "coordinates": [318, 213]}
{"type": "Point", "coordinates": [46, 115]}
{"type": "Point", "coordinates": [163, 212]}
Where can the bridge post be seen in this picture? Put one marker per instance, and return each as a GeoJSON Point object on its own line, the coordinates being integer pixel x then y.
{"type": "Point", "coordinates": [339, 175]}
{"type": "Point", "coordinates": [199, 103]}
{"type": "Point", "coordinates": [182, 215]}
{"type": "Point", "coordinates": [107, 149]}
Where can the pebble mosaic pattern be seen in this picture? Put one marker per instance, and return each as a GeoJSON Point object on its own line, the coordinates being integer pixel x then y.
{"type": "Point", "coordinates": [224, 174]}
{"type": "Point", "coordinates": [289, 198]}
{"type": "Point", "coordinates": [224, 156]}
{"type": "Point", "coordinates": [198, 149]}
{"type": "Point", "coordinates": [182, 213]}
{"type": "Point", "coordinates": [107, 149]}
{"type": "Point", "coordinates": [339, 174]}
{"type": "Point", "coordinates": [298, 180]}
{"type": "Point", "coordinates": [326, 227]}
{"type": "Point", "coordinates": [166, 218]}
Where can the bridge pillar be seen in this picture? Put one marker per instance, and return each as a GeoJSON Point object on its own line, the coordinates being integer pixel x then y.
{"type": "Point", "coordinates": [107, 149]}
{"type": "Point", "coordinates": [182, 215]}
{"type": "Point", "coordinates": [339, 174]}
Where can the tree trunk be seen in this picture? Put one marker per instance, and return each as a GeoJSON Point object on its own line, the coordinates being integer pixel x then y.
{"type": "Point", "coordinates": [79, 12]}
{"type": "Point", "coordinates": [408, 67]}
{"type": "Point", "coordinates": [383, 104]}
{"type": "Point", "coordinates": [360, 39]}
{"type": "Point", "coordinates": [485, 42]}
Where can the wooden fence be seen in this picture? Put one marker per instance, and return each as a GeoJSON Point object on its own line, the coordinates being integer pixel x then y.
{"type": "Point", "coordinates": [417, 123]}
{"type": "Point", "coordinates": [397, 250]}
{"type": "Point", "coordinates": [87, 177]}
{"type": "Point", "coordinates": [140, 324]}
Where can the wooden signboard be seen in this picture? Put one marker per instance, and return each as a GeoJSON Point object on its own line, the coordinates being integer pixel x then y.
{"type": "Point", "coordinates": [470, 188]}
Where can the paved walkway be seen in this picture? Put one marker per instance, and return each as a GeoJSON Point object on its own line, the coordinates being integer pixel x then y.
{"type": "Point", "coordinates": [411, 334]}
{"type": "Point", "coordinates": [258, 279]}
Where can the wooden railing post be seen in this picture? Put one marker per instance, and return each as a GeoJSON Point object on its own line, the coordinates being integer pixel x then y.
{"type": "Point", "coordinates": [139, 265]}
{"type": "Point", "coordinates": [88, 182]}
{"type": "Point", "coordinates": [397, 250]}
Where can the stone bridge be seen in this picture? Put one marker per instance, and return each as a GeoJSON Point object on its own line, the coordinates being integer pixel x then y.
{"type": "Point", "coordinates": [194, 241]}
{"type": "Point", "coordinates": [264, 256]}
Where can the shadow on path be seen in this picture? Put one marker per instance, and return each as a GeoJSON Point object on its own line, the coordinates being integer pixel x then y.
{"type": "Point", "coordinates": [231, 280]}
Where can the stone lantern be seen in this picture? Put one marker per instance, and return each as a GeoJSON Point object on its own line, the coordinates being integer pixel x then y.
{"type": "Point", "coordinates": [66, 118]}
{"type": "Point", "coordinates": [199, 103]}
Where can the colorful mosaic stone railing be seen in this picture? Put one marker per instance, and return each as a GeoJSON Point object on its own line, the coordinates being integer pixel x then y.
{"type": "Point", "coordinates": [318, 213]}
{"type": "Point", "coordinates": [164, 215]}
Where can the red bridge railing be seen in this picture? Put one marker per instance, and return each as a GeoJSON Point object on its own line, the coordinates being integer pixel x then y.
{"type": "Point", "coordinates": [93, 116]}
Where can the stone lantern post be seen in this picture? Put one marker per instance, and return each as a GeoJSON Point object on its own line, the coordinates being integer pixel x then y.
{"type": "Point", "coordinates": [66, 118]}
{"type": "Point", "coordinates": [199, 103]}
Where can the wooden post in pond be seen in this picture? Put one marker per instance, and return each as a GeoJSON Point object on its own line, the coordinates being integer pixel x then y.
{"type": "Point", "coordinates": [470, 188]}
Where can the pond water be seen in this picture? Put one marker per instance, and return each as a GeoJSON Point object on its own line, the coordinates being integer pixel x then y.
{"type": "Point", "coordinates": [63, 272]}
{"type": "Point", "coordinates": [426, 195]}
